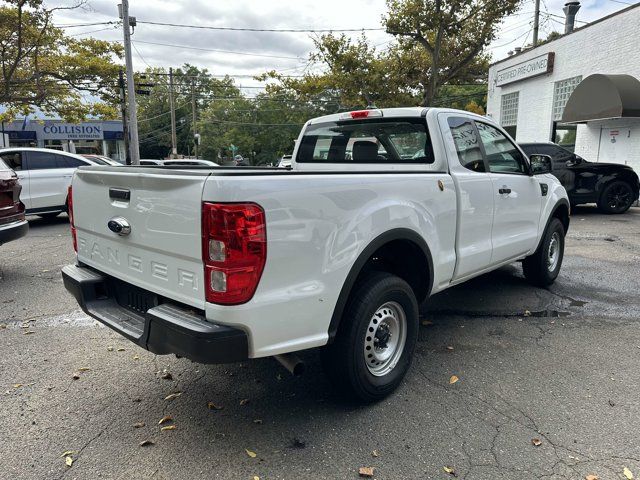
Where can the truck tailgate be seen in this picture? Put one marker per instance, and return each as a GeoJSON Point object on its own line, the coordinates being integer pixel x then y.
{"type": "Point", "coordinates": [162, 252]}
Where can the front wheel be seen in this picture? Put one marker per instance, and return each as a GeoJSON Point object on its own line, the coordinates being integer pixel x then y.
{"type": "Point", "coordinates": [374, 345]}
{"type": "Point", "coordinates": [617, 197]}
{"type": "Point", "coordinates": [543, 266]}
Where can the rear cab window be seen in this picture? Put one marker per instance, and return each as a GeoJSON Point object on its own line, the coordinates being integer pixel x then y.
{"type": "Point", "coordinates": [370, 141]}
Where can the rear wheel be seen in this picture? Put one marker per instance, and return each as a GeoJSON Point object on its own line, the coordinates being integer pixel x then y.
{"type": "Point", "coordinates": [542, 268]}
{"type": "Point", "coordinates": [616, 197]}
{"type": "Point", "coordinates": [374, 345]}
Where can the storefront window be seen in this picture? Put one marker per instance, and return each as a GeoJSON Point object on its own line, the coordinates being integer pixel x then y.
{"type": "Point", "coordinates": [509, 112]}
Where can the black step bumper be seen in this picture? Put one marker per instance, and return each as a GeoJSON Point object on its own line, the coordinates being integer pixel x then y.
{"type": "Point", "coordinates": [151, 322]}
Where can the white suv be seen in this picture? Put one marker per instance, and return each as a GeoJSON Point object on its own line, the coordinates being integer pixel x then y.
{"type": "Point", "coordinates": [45, 175]}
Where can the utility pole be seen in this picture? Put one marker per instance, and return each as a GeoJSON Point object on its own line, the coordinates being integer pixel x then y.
{"type": "Point", "coordinates": [536, 23]}
{"type": "Point", "coordinates": [195, 118]}
{"type": "Point", "coordinates": [123, 110]}
{"type": "Point", "coordinates": [127, 23]}
{"type": "Point", "coordinates": [174, 148]}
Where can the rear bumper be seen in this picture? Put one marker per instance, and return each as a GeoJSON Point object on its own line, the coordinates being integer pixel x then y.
{"type": "Point", "coordinates": [13, 231]}
{"type": "Point", "coordinates": [163, 328]}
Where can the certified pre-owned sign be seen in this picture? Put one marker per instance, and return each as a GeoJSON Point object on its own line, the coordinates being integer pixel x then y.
{"type": "Point", "coordinates": [527, 69]}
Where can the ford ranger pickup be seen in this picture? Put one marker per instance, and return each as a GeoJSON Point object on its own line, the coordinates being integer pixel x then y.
{"type": "Point", "coordinates": [379, 210]}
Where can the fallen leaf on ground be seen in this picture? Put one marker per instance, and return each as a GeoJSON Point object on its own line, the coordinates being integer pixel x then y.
{"type": "Point", "coordinates": [250, 453]}
{"type": "Point", "coordinates": [68, 461]}
{"type": "Point", "coordinates": [244, 401]}
{"type": "Point", "coordinates": [426, 323]}
{"type": "Point", "coordinates": [146, 443]}
{"type": "Point", "coordinates": [449, 347]}
{"type": "Point", "coordinates": [527, 313]}
{"type": "Point", "coordinates": [165, 419]}
{"type": "Point", "coordinates": [591, 477]}
{"type": "Point", "coordinates": [109, 348]}
{"type": "Point", "coordinates": [168, 427]}
{"type": "Point", "coordinates": [166, 375]}
{"type": "Point", "coordinates": [3, 326]}
{"type": "Point", "coordinates": [76, 376]}
{"type": "Point", "coordinates": [536, 442]}
{"type": "Point", "coordinates": [120, 349]}
{"type": "Point", "coordinates": [366, 471]}
{"type": "Point", "coordinates": [453, 379]}
{"type": "Point", "coordinates": [28, 332]}
{"type": "Point", "coordinates": [255, 477]}
{"type": "Point", "coordinates": [213, 406]}
{"type": "Point", "coordinates": [18, 385]}
{"type": "Point", "coordinates": [627, 473]}
{"type": "Point", "coordinates": [258, 421]}
{"type": "Point", "coordinates": [138, 425]}
{"type": "Point", "coordinates": [449, 470]}
{"type": "Point", "coordinates": [84, 369]}
{"type": "Point", "coordinates": [173, 396]}
{"type": "Point", "coordinates": [136, 357]}
{"type": "Point", "coordinates": [67, 453]}
{"type": "Point", "coordinates": [375, 453]}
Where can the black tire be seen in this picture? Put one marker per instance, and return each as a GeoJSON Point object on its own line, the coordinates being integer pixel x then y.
{"type": "Point", "coordinates": [345, 360]}
{"type": "Point", "coordinates": [538, 268]}
{"type": "Point", "coordinates": [616, 197]}
{"type": "Point", "coordinates": [49, 215]}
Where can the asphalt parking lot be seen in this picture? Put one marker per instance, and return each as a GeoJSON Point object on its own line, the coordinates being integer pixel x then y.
{"type": "Point", "coordinates": [559, 368]}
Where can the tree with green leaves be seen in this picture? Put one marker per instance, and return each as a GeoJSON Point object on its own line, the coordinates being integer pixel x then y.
{"type": "Point", "coordinates": [453, 33]}
{"type": "Point", "coordinates": [43, 68]}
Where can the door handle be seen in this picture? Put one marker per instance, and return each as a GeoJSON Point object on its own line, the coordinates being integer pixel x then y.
{"type": "Point", "coordinates": [504, 190]}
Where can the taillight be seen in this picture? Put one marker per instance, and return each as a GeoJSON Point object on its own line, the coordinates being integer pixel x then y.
{"type": "Point", "coordinates": [71, 222]}
{"type": "Point", "coordinates": [234, 250]}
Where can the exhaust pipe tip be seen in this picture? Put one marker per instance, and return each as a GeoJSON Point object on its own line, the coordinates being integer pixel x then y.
{"type": "Point", "coordinates": [291, 362]}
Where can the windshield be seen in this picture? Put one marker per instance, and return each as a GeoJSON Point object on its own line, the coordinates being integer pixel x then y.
{"type": "Point", "coordinates": [367, 141]}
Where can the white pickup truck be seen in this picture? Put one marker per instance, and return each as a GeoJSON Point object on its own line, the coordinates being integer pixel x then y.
{"type": "Point", "coordinates": [379, 210]}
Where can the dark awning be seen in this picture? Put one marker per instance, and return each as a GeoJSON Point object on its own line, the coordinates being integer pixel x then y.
{"type": "Point", "coordinates": [600, 96]}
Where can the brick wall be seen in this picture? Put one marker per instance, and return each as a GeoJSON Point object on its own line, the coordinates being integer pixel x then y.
{"type": "Point", "coordinates": [610, 46]}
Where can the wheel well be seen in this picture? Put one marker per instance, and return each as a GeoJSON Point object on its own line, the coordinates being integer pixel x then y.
{"type": "Point", "coordinates": [404, 259]}
{"type": "Point", "coordinates": [402, 252]}
{"type": "Point", "coordinates": [562, 214]}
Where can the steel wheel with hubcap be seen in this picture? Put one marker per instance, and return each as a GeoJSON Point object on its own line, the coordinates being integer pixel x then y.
{"type": "Point", "coordinates": [376, 338]}
{"type": "Point", "coordinates": [543, 267]}
{"type": "Point", "coordinates": [553, 252]}
{"type": "Point", "coordinates": [385, 338]}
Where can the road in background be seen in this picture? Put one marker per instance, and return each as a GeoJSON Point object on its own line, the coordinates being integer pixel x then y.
{"type": "Point", "coordinates": [561, 366]}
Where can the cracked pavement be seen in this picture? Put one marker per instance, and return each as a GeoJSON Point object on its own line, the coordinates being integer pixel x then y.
{"type": "Point", "coordinates": [560, 365]}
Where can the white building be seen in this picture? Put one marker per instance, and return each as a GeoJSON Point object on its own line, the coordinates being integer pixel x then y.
{"type": "Point", "coordinates": [528, 90]}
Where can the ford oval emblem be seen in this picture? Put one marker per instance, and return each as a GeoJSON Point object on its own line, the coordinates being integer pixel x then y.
{"type": "Point", "coordinates": [119, 225]}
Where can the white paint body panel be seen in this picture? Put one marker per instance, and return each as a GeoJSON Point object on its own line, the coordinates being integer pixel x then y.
{"type": "Point", "coordinates": [318, 224]}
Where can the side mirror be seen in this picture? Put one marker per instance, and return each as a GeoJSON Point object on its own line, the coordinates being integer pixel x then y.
{"type": "Point", "coordinates": [540, 164]}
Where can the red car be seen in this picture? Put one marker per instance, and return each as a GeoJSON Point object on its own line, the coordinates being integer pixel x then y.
{"type": "Point", "coordinates": [12, 222]}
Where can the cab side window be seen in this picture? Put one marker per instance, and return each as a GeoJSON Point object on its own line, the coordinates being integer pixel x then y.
{"type": "Point", "coordinates": [467, 143]}
{"type": "Point", "coordinates": [502, 154]}
{"type": "Point", "coordinates": [42, 161]}
{"type": "Point", "coordinates": [13, 160]}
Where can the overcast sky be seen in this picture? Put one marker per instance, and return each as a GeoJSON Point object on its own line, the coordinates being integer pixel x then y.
{"type": "Point", "coordinates": [258, 52]}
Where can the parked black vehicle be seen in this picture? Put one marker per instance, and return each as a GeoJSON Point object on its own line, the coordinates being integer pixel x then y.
{"type": "Point", "coordinates": [612, 186]}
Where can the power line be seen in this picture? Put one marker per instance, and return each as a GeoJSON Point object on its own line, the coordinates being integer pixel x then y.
{"type": "Point", "coordinates": [272, 30]}
{"type": "Point", "coordinates": [216, 50]}
{"type": "Point", "coordinates": [73, 25]}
